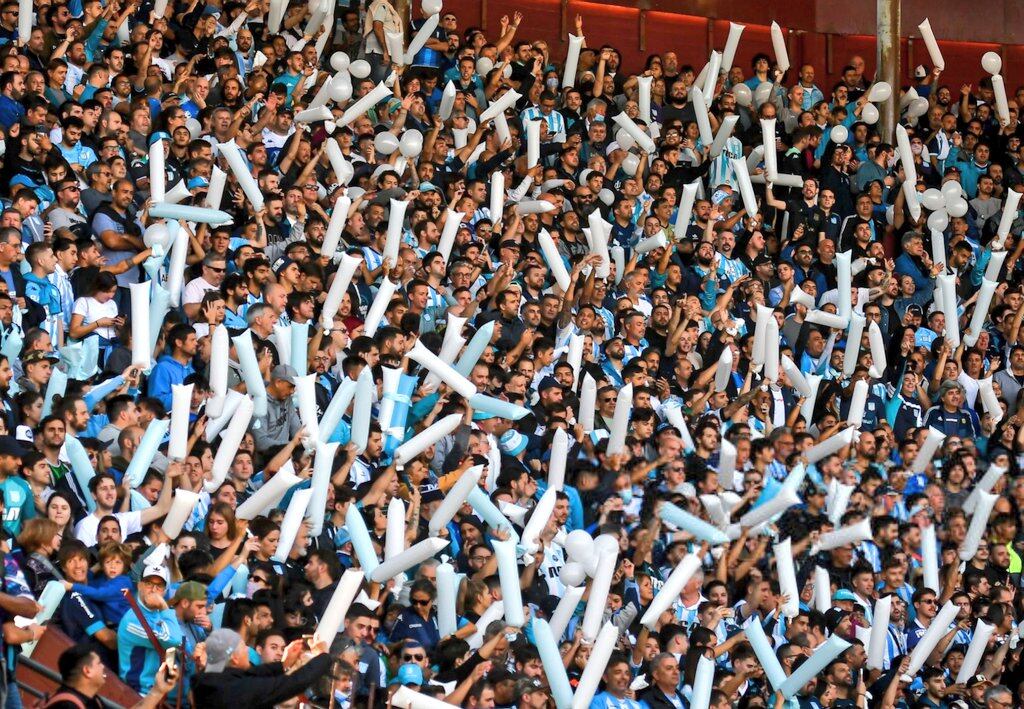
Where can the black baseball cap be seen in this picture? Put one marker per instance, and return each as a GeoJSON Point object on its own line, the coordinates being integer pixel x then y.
{"type": "Point", "coordinates": [9, 445]}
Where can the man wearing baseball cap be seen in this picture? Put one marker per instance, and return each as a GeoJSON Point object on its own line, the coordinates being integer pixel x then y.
{"type": "Point", "coordinates": [282, 419]}
{"type": "Point", "coordinates": [189, 604]}
{"type": "Point", "coordinates": [139, 660]}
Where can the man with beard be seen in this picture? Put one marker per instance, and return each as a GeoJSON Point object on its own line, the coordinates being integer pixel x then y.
{"type": "Point", "coordinates": [613, 362]}
{"type": "Point", "coordinates": [120, 232]}
{"type": "Point", "coordinates": [705, 270]}
{"type": "Point", "coordinates": [34, 147]}
{"type": "Point", "coordinates": [677, 108]}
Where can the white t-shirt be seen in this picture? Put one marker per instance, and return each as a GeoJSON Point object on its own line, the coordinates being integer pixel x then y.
{"type": "Point", "coordinates": [195, 290]}
{"type": "Point", "coordinates": [92, 310]}
{"type": "Point", "coordinates": [86, 530]}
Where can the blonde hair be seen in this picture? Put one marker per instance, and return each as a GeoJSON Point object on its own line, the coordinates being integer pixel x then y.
{"type": "Point", "coordinates": [37, 533]}
{"type": "Point", "coordinates": [115, 550]}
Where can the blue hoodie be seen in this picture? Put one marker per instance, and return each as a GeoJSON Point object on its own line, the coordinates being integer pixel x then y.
{"type": "Point", "coordinates": [167, 372]}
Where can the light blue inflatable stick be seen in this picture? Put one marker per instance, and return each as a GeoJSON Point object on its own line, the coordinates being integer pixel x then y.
{"type": "Point", "coordinates": [138, 501]}
{"type": "Point", "coordinates": [99, 392]}
{"type": "Point", "coordinates": [813, 666]}
{"type": "Point", "coordinates": [362, 410]}
{"type": "Point", "coordinates": [251, 372]}
{"type": "Point", "coordinates": [336, 409]}
{"type": "Point", "coordinates": [159, 306]}
{"type": "Point", "coordinates": [299, 336]}
{"type": "Point", "coordinates": [55, 387]}
{"type": "Point", "coordinates": [475, 349]}
{"type": "Point", "coordinates": [694, 525]}
{"type": "Point", "coordinates": [81, 467]}
{"type": "Point", "coordinates": [400, 412]}
{"type": "Point", "coordinates": [50, 600]}
{"type": "Point", "coordinates": [361, 541]}
{"type": "Point", "coordinates": [483, 506]}
{"type": "Point", "coordinates": [153, 264]}
{"type": "Point", "coordinates": [765, 653]}
{"type": "Point", "coordinates": [551, 658]}
{"type": "Point", "coordinates": [90, 358]}
{"type": "Point", "coordinates": [239, 582]}
{"type": "Point", "coordinates": [71, 355]}
{"type": "Point", "coordinates": [148, 446]}
{"type": "Point", "coordinates": [162, 210]}
{"type": "Point", "coordinates": [498, 407]}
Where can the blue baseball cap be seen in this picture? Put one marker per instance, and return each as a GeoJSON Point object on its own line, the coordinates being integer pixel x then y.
{"type": "Point", "coordinates": [408, 674]}
{"type": "Point", "coordinates": [159, 135]}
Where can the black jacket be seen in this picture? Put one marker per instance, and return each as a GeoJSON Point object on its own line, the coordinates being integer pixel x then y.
{"type": "Point", "coordinates": [259, 686]}
{"type": "Point", "coordinates": [656, 699]}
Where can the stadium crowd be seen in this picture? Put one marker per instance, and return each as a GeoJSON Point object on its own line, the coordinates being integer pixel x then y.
{"type": "Point", "coordinates": [655, 338]}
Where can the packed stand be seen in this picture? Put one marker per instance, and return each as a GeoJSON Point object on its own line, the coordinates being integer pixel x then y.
{"type": "Point", "coordinates": [346, 362]}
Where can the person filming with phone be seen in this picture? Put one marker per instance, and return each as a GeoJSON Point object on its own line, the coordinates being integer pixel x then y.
{"type": "Point", "coordinates": [83, 675]}
{"type": "Point", "coordinates": [230, 680]}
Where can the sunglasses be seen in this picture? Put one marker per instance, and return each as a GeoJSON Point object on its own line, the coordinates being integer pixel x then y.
{"type": "Point", "coordinates": [413, 658]}
{"type": "Point", "coordinates": [421, 601]}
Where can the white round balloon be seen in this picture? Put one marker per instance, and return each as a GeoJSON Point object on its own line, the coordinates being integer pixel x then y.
{"type": "Point", "coordinates": [958, 208]}
{"type": "Point", "coordinates": [880, 91]}
{"type": "Point", "coordinates": [630, 164]}
{"type": "Point", "coordinates": [385, 143]}
{"type": "Point", "coordinates": [431, 7]}
{"type": "Point", "coordinates": [918, 107]}
{"type": "Point", "coordinates": [340, 89]}
{"type": "Point", "coordinates": [938, 220]}
{"type": "Point", "coordinates": [195, 128]}
{"type": "Point", "coordinates": [606, 196]}
{"type": "Point", "coordinates": [625, 140]}
{"type": "Point", "coordinates": [339, 61]}
{"type": "Point", "coordinates": [951, 190]}
{"type": "Point", "coordinates": [763, 92]}
{"type": "Point", "coordinates": [157, 234]}
{"type": "Point", "coordinates": [991, 62]}
{"type": "Point", "coordinates": [411, 143]}
{"type": "Point", "coordinates": [573, 574]}
{"type": "Point", "coordinates": [839, 134]}
{"type": "Point", "coordinates": [932, 199]}
{"type": "Point", "coordinates": [869, 114]}
{"type": "Point", "coordinates": [590, 565]}
{"type": "Point", "coordinates": [742, 94]}
{"type": "Point", "coordinates": [360, 68]}
{"type": "Point", "coordinates": [484, 66]}
{"type": "Point", "coordinates": [578, 544]}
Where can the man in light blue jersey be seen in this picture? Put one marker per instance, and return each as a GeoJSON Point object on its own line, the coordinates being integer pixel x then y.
{"type": "Point", "coordinates": [139, 659]}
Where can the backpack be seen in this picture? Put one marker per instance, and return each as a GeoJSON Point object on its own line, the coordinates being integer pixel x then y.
{"type": "Point", "coordinates": [46, 701]}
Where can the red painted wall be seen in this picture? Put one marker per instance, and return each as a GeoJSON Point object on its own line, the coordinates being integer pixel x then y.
{"type": "Point", "coordinates": [689, 34]}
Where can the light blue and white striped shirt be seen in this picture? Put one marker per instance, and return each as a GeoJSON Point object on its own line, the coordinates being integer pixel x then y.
{"type": "Point", "coordinates": [554, 120]}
